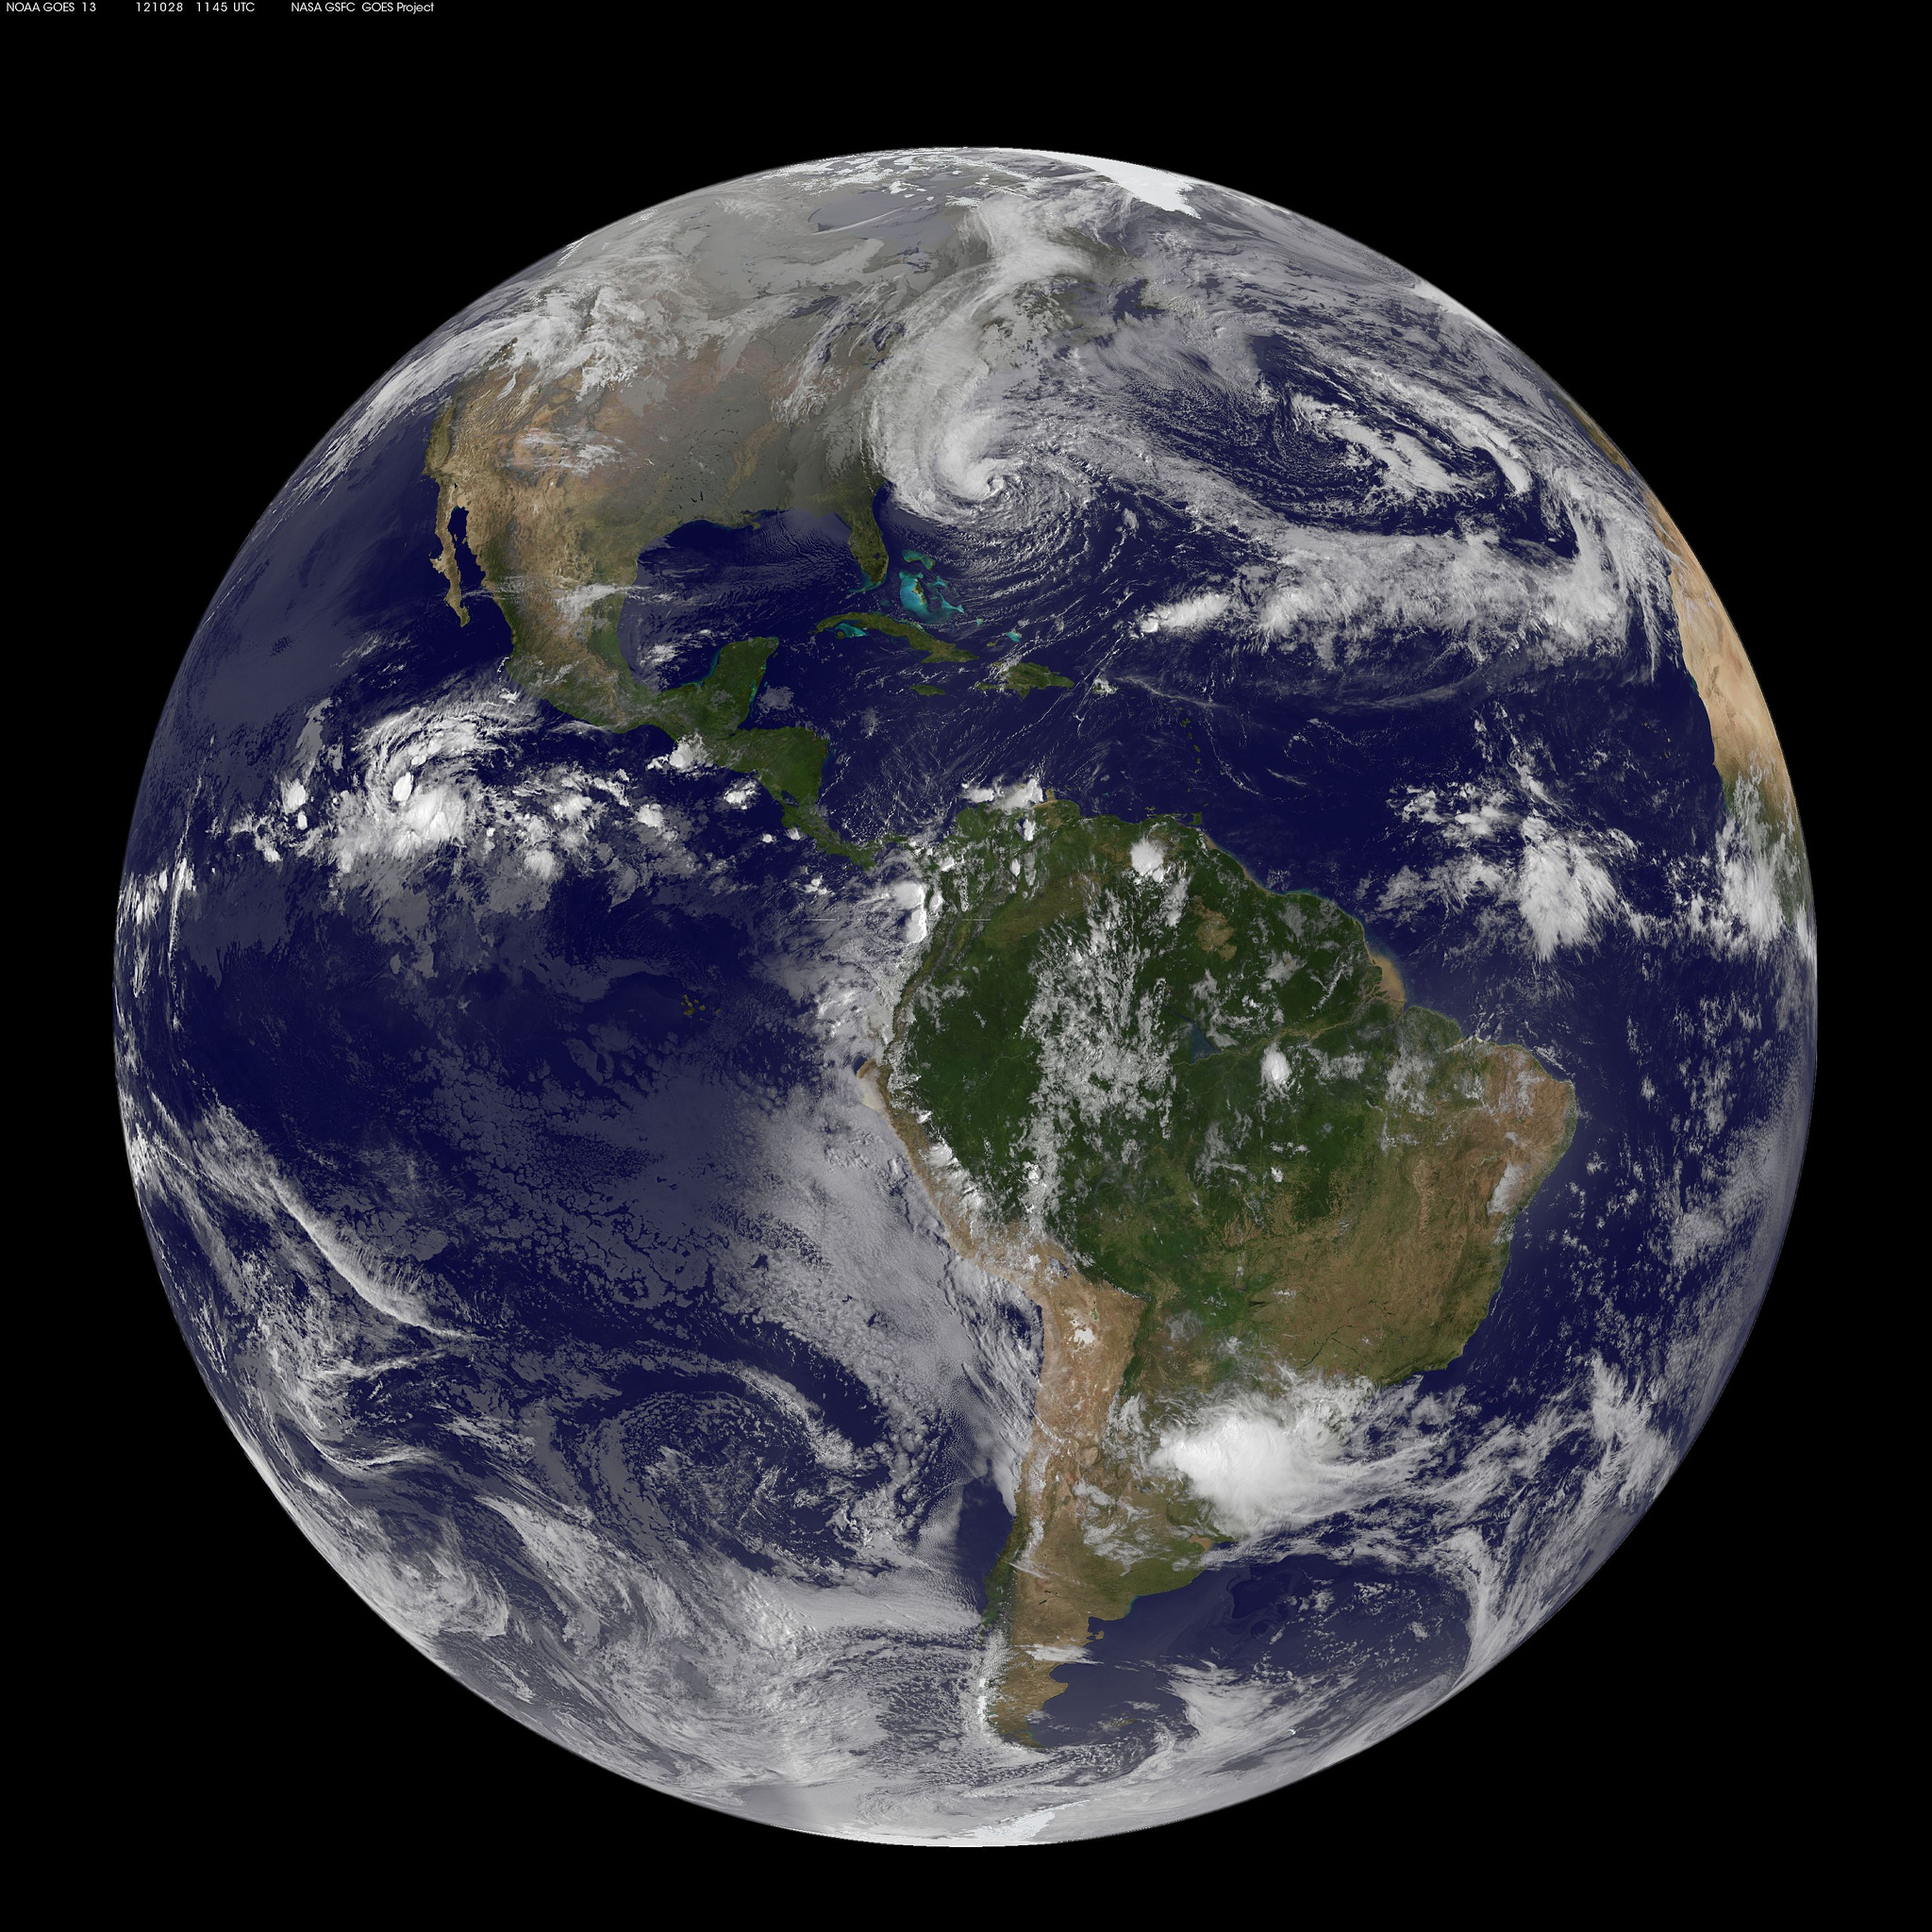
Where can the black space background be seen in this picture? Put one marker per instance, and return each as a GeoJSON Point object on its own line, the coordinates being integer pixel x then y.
{"type": "Point", "coordinates": [268, 241]}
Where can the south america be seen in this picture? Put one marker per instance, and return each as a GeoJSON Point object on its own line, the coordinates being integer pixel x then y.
{"type": "Point", "coordinates": [1198, 1125]}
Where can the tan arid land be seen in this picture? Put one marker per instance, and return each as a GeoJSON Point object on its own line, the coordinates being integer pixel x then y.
{"type": "Point", "coordinates": [562, 495]}
{"type": "Point", "coordinates": [1088, 1336]}
{"type": "Point", "coordinates": [1742, 737]}
{"type": "Point", "coordinates": [1744, 742]}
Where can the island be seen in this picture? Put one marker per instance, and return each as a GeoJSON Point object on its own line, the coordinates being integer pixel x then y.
{"type": "Point", "coordinates": [852, 623]}
{"type": "Point", "coordinates": [1017, 676]}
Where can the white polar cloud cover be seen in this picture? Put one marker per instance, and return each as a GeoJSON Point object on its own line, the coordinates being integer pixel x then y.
{"type": "Point", "coordinates": [1154, 185]}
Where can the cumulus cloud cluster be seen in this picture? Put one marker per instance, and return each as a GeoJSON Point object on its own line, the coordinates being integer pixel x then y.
{"type": "Point", "coordinates": [1503, 846]}
{"type": "Point", "coordinates": [447, 787]}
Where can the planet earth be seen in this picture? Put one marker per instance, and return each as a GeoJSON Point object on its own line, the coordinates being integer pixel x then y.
{"type": "Point", "coordinates": [965, 997]}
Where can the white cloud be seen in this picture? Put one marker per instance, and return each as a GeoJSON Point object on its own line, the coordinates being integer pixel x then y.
{"type": "Point", "coordinates": [1561, 888]}
{"type": "Point", "coordinates": [1261, 1461]}
{"type": "Point", "coordinates": [1347, 593]}
{"type": "Point", "coordinates": [1155, 185]}
{"type": "Point", "coordinates": [1004, 797]}
{"type": "Point", "coordinates": [1188, 613]}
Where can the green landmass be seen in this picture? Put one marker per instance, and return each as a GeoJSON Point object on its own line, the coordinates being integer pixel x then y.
{"type": "Point", "coordinates": [1021, 676]}
{"type": "Point", "coordinates": [788, 761]}
{"type": "Point", "coordinates": [1197, 1119]}
{"type": "Point", "coordinates": [936, 649]}
{"type": "Point", "coordinates": [929, 691]}
{"type": "Point", "coordinates": [851, 500]}
{"type": "Point", "coordinates": [1067, 991]}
